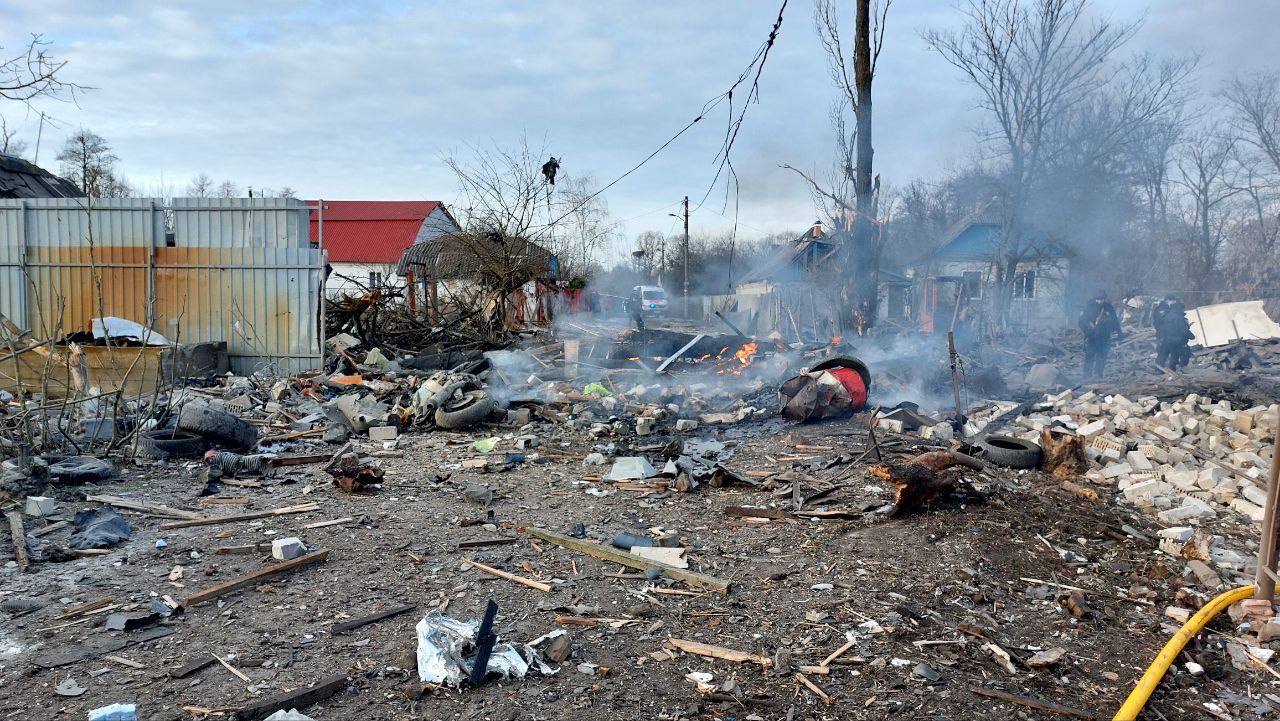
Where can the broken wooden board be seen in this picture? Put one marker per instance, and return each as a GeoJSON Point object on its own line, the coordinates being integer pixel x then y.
{"type": "Point", "coordinates": [237, 517]}
{"type": "Point", "coordinates": [19, 533]}
{"type": "Point", "coordinates": [299, 699]}
{"type": "Point", "coordinates": [254, 578]}
{"type": "Point", "coordinates": [151, 509]}
{"type": "Point", "coordinates": [355, 623]}
{"type": "Point", "coordinates": [608, 553]}
{"type": "Point", "coordinates": [728, 654]}
{"type": "Point", "coordinates": [98, 646]}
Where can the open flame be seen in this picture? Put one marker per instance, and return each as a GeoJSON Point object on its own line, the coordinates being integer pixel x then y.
{"type": "Point", "coordinates": [744, 356]}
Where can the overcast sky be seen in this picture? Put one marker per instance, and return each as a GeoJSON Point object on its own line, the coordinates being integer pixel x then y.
{"type": "Point", "coordinates": [361, 101]}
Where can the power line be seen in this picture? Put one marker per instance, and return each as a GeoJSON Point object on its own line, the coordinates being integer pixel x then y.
{"type": "Point", "coordinates": [731, 132]}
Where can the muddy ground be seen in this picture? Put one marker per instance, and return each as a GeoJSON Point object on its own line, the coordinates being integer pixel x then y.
{"type": "Point", "coordinates": [925, 594]}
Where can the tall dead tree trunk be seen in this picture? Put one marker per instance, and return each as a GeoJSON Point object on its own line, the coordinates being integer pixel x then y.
{"type": "Point", "coordinates": [864, 258]}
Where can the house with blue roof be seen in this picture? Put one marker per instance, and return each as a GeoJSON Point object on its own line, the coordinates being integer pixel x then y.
{"type": "Point", "coordinates": [956, 281]}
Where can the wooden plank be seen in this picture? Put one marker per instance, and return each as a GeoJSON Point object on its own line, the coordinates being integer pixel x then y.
{"type": "Point", "coordinates": [187, 669]}
{"type": "Point", "coordinates": [256, 577]}
{"type": "Point", "coordinates": [334, 522]}
{"type": "Point", "coordinates": [355, 623]}
{"type": "Point", "coordinates": [87, 607]}
{"type": "Point", "coordinates": [486, 542]}
{"type": "Point", "coordinates": [300, 699]}
{"type": "Point", "coordinates": [49, 529]}
{"type": "Point", "coordinates": [813, 687]}
{"type": "Point", "coordinates": [663, 366]}
{"type": "Point", "coordinates": [237, 517]}
{"type": "Point", "coordinates": [710, 651]}
{"type": "Point", "coordinates": [125, 662]}
{"type": "Point", "coordinates": [151, 509]}
{"type": "Point", "coordinates": [608, 553]}
{"type": "Point", "coordinates": [544, 587]}
{"type": "Point", "coordinates": [19, 534]}
{"type": "Point", "coordinates": [234, 671]}
{"type": "Point", "coordinates": [1029, 702]}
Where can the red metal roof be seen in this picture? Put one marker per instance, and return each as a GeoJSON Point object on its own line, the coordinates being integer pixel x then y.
{"type": "Point", "coordinates": [370, 231]}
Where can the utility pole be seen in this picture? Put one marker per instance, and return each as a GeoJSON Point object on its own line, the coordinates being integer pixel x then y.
{"type": "Point", "coordinates": [686, 257]}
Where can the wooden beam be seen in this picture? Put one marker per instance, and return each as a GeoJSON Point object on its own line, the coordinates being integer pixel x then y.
{"type": "Point", "coordinates": [151, 509]}
{"type": "Point", "coordinates": [19, 533]}
{"type": "Point", "coordinates": [237, 517]}
{"type": "Point", "coordinates": [355, 623]}
{"type": "Point", "coordinates": [608, 553]}
{"type": "Point", "coordinates": [544, 587]}
{"type": "Point", "coordinates": [727, 654]}
{"type": "Point", "coordinates": [254, 578]}
{"type": "Point", "coordinates": [299, 699]}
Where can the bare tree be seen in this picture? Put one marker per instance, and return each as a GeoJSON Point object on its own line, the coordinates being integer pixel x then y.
{"type": "Point", "coordinates": [1033, 62]}
{"type": "Point", "coordinates": [87, 161]}
{"type": "Point", "coordinates": [287, 192]}
{"type": "Point", "coordinates": [585, 230]}
{"type": "Point", "coordinates": [32, 73]}
{"type": "Point", "coordinates": [1255, 102]}
{"type": "Point", "coordinates": [848, 195]}
{"type": "Point", "coordinates": [201, 187]}
{"type": "Point", "coordinates": [10, 145]}
{"type": "Point", "coordinates": [227, 189]}
{"type": "Point", "coordinates": [503, 190]}
{"type": "Point", "coordinates": [1206, 173]}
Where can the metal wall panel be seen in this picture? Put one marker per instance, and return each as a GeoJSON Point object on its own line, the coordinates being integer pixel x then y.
{"type": "Point", "coordinates": [230, 222]}
{"type": "Point", "coordinates": [246, 275]}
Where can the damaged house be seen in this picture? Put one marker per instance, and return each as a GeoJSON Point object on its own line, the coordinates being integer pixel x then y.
{"type": "Point", "coordinates": [511, 280]}
{"type": "Point", "coordinates": [365, 239]}
{"type": "Point", "coordinates": [957, 280]}
{"type": "Point", "coordinates": [794, 292]}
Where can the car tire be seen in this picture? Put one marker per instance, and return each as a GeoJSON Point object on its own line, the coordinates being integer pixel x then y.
{"type": "Point", "coordinates": [473, 407]}
{"type": "Point", "coordinates": [1010, 452]}
{"type": "Point", "coordinates": [177, 443]}
{"type": "Point", "coordinates": [218, 425]}
{"type": "Point", "coordinates": [80, 469]}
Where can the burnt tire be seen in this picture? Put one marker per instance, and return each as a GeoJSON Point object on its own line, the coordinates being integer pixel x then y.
{"type": "Point", "coordinates": [177, 443]}
{"type": "Point", "coordinates": [80, 469]}
{"type": "Point", "coordinates": [1010, 452]}
{"type": "Point", "coordinates": [217, 425]}
{"type": "Point", "coordinates": [472, 408]}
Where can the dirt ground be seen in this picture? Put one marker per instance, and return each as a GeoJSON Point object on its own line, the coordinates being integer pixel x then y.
{"type": "Point", "coordinates": [930, 599]}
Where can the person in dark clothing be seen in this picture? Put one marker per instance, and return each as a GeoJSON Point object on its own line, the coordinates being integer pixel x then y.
{"type": "Point", "coordinates": [635, 308]}
{"type": "Point", "coordinates": [1172, 335]}
{"type": "Point", "coordinates": [1158, 315]}
{"type": "Point", "coordinates": [1099, 323]}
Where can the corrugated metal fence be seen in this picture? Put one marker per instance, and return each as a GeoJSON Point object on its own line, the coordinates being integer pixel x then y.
{"type": "Point", "coordinates": [240, 270]}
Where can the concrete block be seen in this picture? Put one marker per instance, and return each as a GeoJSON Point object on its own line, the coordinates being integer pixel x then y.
{"type": "Point", "coordinates": [686, 424]}
{"type": "Point", "coordinates": [383, 433]}
{"type": "Point", "coordinates": [1146, 490]}
{"type": "Point", "coordinates": [1093, 429]}
{"type": "Point", "coordinates": [1244, 422]}
{"type": "Point", "coordinates": [645, 425]}
{"type": "Point", "coordinates": [1247, 509]}
{"type": "Point", "coordinates": [1138, 462]}
{"type": "Point", "coordinates": [40, 506]}
{"type": "Point", "coordinates": [1192, 510]}
{"type": "Point", "coordinates": [1166, 433]}
{"type": "Point", "coordinates": [286, 549]}
{"type": "Point", "coordinates": [1184, 480]}
{"type": "Point", "coordinates": [890, 424]}
{"type": "Point", "coordinates": [1115, 470]}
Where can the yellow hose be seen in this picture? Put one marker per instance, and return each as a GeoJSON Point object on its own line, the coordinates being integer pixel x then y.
{"type": "Point", "coordinates": [1147, 684]}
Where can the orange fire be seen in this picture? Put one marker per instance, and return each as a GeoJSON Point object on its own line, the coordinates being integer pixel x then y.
{"type": "Point", "coordinates": [746, 353]}
{"type": "Point", "coordinates": [835, 339]}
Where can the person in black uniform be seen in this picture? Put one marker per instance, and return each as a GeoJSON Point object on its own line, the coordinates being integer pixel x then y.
{"type": "Point", "coordinates": [1100, 325]}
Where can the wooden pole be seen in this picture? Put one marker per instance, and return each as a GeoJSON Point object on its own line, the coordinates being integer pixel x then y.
{"type": "Point", "coordinates": [1265, 580]}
